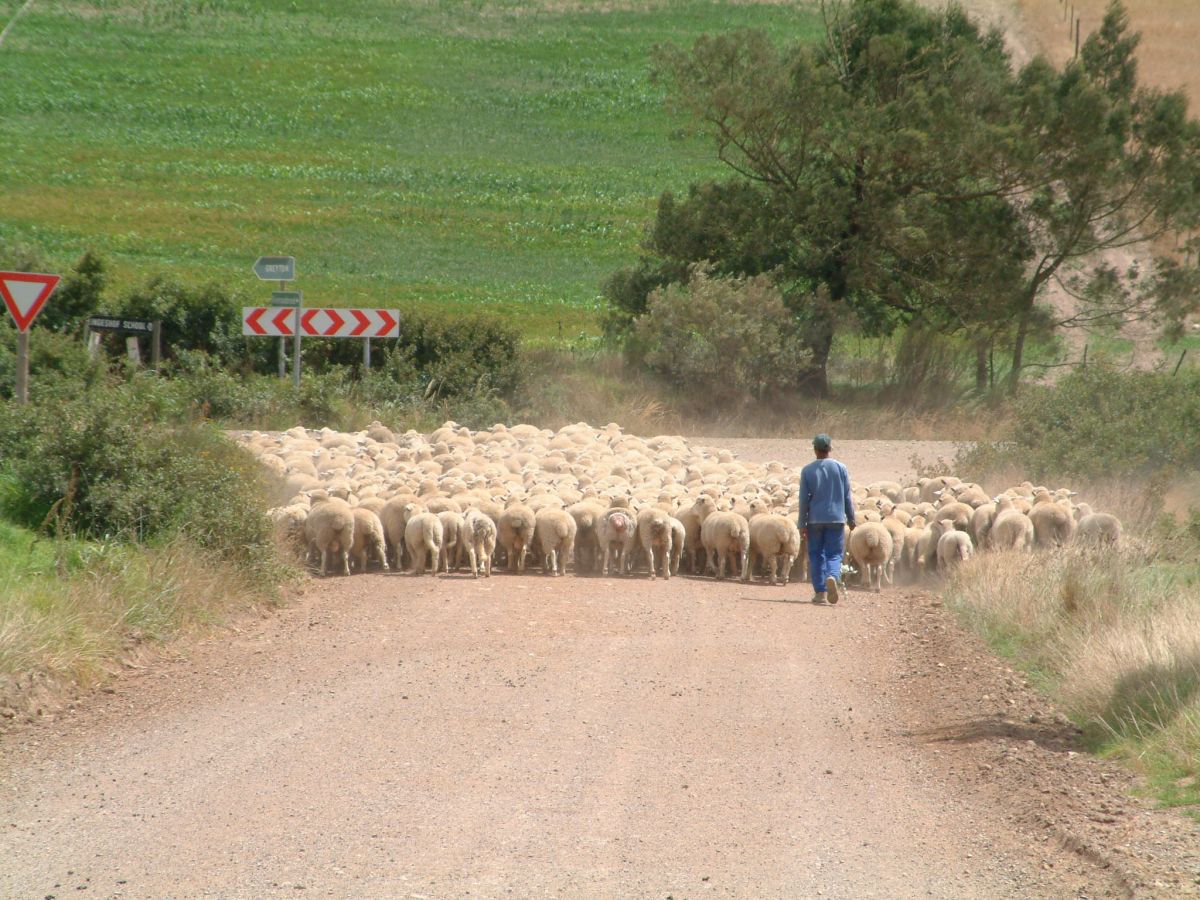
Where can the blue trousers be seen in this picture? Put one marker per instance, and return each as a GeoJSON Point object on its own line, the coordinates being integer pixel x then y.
{"type": "Point", "coordinates": [826, 544]}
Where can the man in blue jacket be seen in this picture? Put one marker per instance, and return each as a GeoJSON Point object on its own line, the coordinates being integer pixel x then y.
{"type": "Point", "coordinates": [825, 511]}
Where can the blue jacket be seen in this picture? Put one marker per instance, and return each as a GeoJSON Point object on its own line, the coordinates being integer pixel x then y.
{"type": "Point", "coordinates": [825, 494]}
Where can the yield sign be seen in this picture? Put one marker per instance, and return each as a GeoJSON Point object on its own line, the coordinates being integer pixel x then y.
{"type": "Point", "coordinates": [24, 294]}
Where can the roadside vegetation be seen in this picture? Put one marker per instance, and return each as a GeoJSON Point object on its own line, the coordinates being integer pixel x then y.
{"type": "Point", "coordinates": [1113, 637]}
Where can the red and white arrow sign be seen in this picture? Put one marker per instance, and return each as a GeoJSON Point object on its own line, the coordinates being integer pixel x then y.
{"type": "Point", "coordinates": [361, 323]}
{"type": "Point", "coordinates": [273, 321]}
{"type": "Point", "coordinates": [25, 294]}
{"type": "Point", "coordinates": [267, 321]}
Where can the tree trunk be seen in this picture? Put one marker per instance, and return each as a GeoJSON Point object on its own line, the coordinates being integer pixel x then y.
{"type": "Point", "coordinates": [1018, 354]}
{"type": "Point", "coordinates": [815, 381]}
{"type": "Point", "coordinates": [981, 364]}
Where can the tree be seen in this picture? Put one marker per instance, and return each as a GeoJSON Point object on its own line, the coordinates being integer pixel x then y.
{"type": "Point", "coordinates": [856, 166]}
{"type": "Point", "coordinates": [1103, 165]}
{"type": "Point", "coordinates": [78, 295]}
{"type": "Point", "coordinates": [901, 165]}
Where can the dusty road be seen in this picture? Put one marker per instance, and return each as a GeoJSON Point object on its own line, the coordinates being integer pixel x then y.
{"type": "Point", "coordinates": [392, 736]}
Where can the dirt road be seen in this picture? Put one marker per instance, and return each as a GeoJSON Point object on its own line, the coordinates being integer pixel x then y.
{"type": "Point", "coordinates": [392, 736]}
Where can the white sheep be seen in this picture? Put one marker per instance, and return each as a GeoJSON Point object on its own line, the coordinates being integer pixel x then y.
{"type": "Point", "coordinates": [726, 536]}
{"type": "Point", "coordinates": [1098, 529]}
{"type": "Point", "coordinates": [329, 528]}
{"type": "Point", "coordinates": [479, 536]}
{"type": "Point", "coordinates": [953, 549]}
{"type": "Point", "coordinates": [368, 539]}
{"type": "Point", "coordinates": [1053, 523]}
{"type": "Point", "coordinates": [871, 547]}
{"type": "Point", "coordinates": [555, 529]}
{"type": "Point", "coordinates": [775, 538]}
{"type": "Point", "coordinates": [452, 526]}
{"type": "Point", "coordinates": [678, 543]}
{"type": "Point", "coordinates": [654, 532]}
{"type": "Point", "coordinates": [1011, 529]}
{"type": "Point", "coordinates": [616, 532]}
{"type": "Point", "coordinates": [515, 534]}
{"type": "Point", "coordinates": [423, 537]}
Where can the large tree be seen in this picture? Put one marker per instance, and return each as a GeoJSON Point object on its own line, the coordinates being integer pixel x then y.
{"type": "Point", "coordinates": [1103, 166]}
{"type": "Point", "coordinates": [902, 167]}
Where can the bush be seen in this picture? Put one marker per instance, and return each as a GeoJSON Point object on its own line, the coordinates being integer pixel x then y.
{"type": "Point", "coordinates": [727, 340]}
{"type": "Point", "coordinates": [461, 355]}
{"type": "Point", "coordinates": [98, 465]}
{"type": "Point", "coordinates": [53, 360]}
{"type": "Point", "coordinates": [208, 318]}
{"type": "Point", "coordinates": [1099, 422]}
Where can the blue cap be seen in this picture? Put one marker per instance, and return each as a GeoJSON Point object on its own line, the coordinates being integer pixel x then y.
{"type": "Point", "coordinates": [822, 442]}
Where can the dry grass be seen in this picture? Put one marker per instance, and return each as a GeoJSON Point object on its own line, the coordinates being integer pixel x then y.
{"type": "Point", "coordinates": [1115, 639]}
{"type": "Point", "coordinates": [1167, 57]}
{"type": "Point", "coordinates": [598, 387]}
{"type": "Point", "coordinates": [67, 631]}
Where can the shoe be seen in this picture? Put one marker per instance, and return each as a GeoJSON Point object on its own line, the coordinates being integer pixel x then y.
{"type": "Point", "coordinates": [831, 588]}
{"type": "Point", "coordinates": [819, 597]}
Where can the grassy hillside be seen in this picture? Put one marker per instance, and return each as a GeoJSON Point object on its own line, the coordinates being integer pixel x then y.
{"type": "Point", "coordinates": [501, 154]}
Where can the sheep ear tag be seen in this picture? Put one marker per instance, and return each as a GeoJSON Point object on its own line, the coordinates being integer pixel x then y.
{"type": "Point", "coordinates": [25, 294]}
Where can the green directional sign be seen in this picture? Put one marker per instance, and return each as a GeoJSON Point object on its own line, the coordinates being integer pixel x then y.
{"type": "Point", "coordinates": [286, 298]}
{"type": "Point", "coordinates": [276, 268]}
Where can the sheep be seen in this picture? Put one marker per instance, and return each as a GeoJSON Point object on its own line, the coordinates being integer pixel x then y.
{"type": "Point", "coordinates": [953, 549]}
{"type": "Point", "coordinates": [616, 532]}
{"type": "Point", "coordinates": [586, 513]}
{"type": "Point", "coordinates": [1053, 524]}
{"type": "Point", "coordinates": [515, 534]}
{"type": "Point", "coordinates": [981, 523]}
{"type": "Point", "coordinates": [1098, 529]}
{"type": "Point", "coordinates": [896, 528]}
{"type": "Point", "coordinates": [959, 515]}
{"type": "Point", "coordinates": [394, 517]}
{"type": "Point", "coordinates": [368, 538]}
{"type": "Point", "coordinates": [329, 528]}
{"type": "Point", "coordinates": [452, 526]}
{"type": "Point", "coordinates": [423, 536]}
{"type": "Point", "coordinates": [726, 535]}
{"type": "Point", "coordinates": [871, 547]}
{"type": "Point", "coordinates": [555, 529]}
{"type": "Point", "coordinates": [910, 560]}
{"type": "Point", "coordinates": [926, 556]}
{"type": "Point", "coordinates": [776, 538]}
{"type": "Point", "coordinates": [1011, 529]}
{"type": "Point", "coordinates": [479, 536]}
{"type": "Point", "coordinates": [654, 532]}
{"type": "Point", "coordinates": [678, 544]}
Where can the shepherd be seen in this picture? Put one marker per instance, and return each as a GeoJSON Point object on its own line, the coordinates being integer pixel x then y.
{"type": "Point", "coordinates": [826, 510]}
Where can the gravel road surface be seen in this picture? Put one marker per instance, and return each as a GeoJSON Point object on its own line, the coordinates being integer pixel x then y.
{"type": "Point", "coordinates": [394, 736]}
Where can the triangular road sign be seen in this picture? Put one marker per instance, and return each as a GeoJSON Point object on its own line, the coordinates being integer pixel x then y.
{"type": "Point", "coordinates": [24, 294]}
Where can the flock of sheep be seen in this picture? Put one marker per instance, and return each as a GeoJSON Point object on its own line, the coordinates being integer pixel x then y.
{"type": "Point", "coordinates": [606, 501]}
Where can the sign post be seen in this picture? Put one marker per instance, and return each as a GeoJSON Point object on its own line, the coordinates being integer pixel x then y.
{"type": "Point", "coordinates": [283, 270]}
{"type": "Point", "coordinates": [282, 298]}
{"type": "Point", "coordinates": [121, 325]}
{"type": "Point", "coordinates": [25, 294]}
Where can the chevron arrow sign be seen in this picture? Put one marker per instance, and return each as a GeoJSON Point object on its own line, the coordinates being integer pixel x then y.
{"type": "Point", "coordinates": [359, 323]}
{"type": "Point", "coordinates": [267, 321]}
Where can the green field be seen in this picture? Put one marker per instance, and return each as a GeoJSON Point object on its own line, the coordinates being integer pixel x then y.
{"type": "Point", "coordinates": [499, 155]}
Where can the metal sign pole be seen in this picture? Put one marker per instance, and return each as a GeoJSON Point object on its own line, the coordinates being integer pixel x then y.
{"type": "Point", "coordinates": [367, 354]}
{"type": "Point", "coordinates": [156, 345]}
{"type": "Point", "coordinates": [22, 367]}
{"type": "Point", "coordinates": [296, 350]}
{"type": "Point", "coordinates": [283, 344]}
